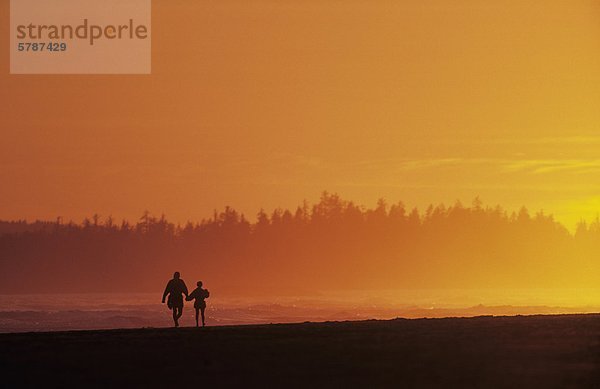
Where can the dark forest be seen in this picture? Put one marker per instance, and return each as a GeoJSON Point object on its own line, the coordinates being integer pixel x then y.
{"type": "Point", "coordinates": [334, 244]}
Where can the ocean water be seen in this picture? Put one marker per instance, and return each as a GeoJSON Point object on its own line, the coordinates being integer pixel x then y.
{"type": "Point", "coordinates": [56, 312]}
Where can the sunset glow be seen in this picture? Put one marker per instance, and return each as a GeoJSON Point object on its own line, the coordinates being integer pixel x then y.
{"type": "Point", "coordinates": [267, 103]}
{"type": "Point", "coordinates": [300, 193]}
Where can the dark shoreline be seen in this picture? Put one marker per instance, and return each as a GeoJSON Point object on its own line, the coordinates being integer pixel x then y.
{"type": "Point", "coordinates": [505, 351]}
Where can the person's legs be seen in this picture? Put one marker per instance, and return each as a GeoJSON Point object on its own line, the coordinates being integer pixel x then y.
{"type": "Point", "coordinates": [197, 313]}
{"type": "Point", "coordinates": [175, 317]}
{"type": "Point", "coordinates": [203, 323]}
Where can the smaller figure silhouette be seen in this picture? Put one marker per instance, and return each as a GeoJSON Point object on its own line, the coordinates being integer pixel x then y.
{"type": "Point", "coordinates": [199, 295]}
{"type": "Point", "coordinates": [176, 288]}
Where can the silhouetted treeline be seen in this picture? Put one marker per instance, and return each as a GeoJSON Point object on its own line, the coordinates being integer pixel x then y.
{"type": "Point", "coordinates": [334, 244]}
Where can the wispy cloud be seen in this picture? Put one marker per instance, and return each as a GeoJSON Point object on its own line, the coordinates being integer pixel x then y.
{"type": "Point", "coordinates": [522, 165]}
{"type": "Point", "coordinates": [540, 166]}
{"type": "Point", "coordinates": [558, 140]}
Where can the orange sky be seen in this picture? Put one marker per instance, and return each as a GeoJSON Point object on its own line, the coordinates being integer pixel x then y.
{"type": "Point", "coordinates": [265, 103]}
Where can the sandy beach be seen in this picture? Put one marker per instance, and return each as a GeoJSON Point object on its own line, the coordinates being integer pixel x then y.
{"type": "Point", "coordinates": [482, 352]}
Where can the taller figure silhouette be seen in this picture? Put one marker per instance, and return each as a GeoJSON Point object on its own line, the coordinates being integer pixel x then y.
{"type": "Point", "coordinates": [175, 289]}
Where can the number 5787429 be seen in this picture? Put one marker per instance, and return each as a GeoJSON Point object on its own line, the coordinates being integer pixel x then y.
{"type": "Point", "coordinates": [51, 46]}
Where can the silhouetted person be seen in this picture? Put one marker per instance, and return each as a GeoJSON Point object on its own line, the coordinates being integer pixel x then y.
{"type": "Point", "coordinates": [175, 289]}
{"type": "Point", "coordinates": [199, 295]}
